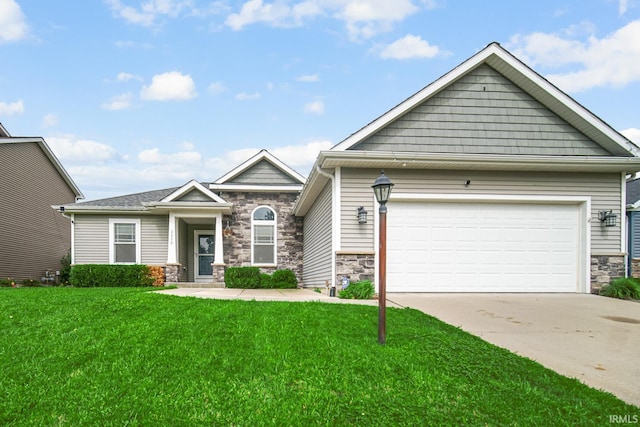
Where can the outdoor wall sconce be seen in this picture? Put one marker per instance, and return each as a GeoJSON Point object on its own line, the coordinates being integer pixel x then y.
{"type": "Point", "coordinates": [608, 218]}
{"type": "Point", "coordinates": [362, 215]}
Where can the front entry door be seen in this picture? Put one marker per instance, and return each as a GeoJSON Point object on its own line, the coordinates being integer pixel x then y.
{"type": "Point", "coordinates": [203, 251]}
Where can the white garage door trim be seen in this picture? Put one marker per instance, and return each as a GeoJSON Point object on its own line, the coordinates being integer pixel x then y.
{"type": "Point", "coordinates": [583, 204]}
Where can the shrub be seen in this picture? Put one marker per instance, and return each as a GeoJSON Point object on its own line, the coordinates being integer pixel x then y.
{"type": "Point", "coordinates": [65, 268]}
{"type": "Point", "coordinates": [358, 290]}
{"type": "Point", "coordinates": [284, 279]}
{"type": "Point", "coordinates": [7, 283]}
{"type": "Point", "coordinates": [242, 277]}
{"type": "Point", "coordinates": [265, 281]}
{"type": "Point", "coordinates": [30, 283]}
{"type": "Point", "coordinates": [106, 275]}
{"type": "Point", "coordinates": [157, 274]}
{"type": "Point", "coordinates": [622, 288]}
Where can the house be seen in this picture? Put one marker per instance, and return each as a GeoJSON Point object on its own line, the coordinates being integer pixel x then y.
{"type": "Point", "coordinates": [34, 238]}
{"type": "Point", "coordinates": [195, 231]}
{"type": "Point", "coordinates": [503, 183]}
{"type": "Point", "coordinates": [633, 226]}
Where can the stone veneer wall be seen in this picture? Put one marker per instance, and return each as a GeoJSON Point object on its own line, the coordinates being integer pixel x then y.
{"type": "Point", "coordinates": [605, 268]}
{"type": "Point", "coordinates": [635, 268]}
{"type": "Point", "coordinates": [355, 266]}
{"type": "Point", "coordinates": [237, 246]}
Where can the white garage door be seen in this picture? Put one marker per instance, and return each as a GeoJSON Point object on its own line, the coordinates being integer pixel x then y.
{"type": "Point", "coordinates": [482, 247]}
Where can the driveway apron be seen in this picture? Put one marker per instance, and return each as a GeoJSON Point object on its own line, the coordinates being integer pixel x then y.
{"type": "Point", "coordinates": [588, 337]}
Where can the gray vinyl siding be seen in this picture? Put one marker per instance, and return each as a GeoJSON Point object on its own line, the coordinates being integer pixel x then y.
{"type": "Point", "coordinates": [91, 245]}
{"type": "Point", "coordinates": [317, 243]}
{"type": "Point", "coordinates": [263, 173]}
{"type": "Point", "coordinates": [357, 193]}
{"type": "Point", "coordinates": [194, 196]}
{"type": "Point", "coordinates": [33, 237]}
{"type": "Point", "coordinates": [482, 113]}
{"type": "Point", "coordinates": [154, 235]}
{"type": "Point", "coordinates": [634, 234]}
{"type": "Point", "coordinates": [92, 239]}
{"type": "Point", "coordinates": [604, 190]}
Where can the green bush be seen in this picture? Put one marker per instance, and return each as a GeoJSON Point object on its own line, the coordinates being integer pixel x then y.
{"type": "Point", "coordinates": [65, 268]}
{"type": "Point", "coordinates": [622, 288]}
{"type": "Point", "coordinates": [284, 279]}
{"type": "Point", "coordinates": [7, 283]}
{"type": "Point", "coordinates": [358, 290]}
{"type": "Point", "coordinates": [30, 283]}
{"type": "Point", "coordinates": [109, 276]}
{"type": "Point", "coordinates": [242, 277]}
{"type": "Point", "coordinates": [252, 278]}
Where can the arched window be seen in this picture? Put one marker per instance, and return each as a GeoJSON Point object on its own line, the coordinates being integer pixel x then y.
{"type": "Point", "coordinates": [263, 236]}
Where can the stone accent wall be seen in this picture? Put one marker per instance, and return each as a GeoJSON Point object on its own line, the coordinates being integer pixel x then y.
{"type": "Point", "coordinates": [355, 266]}
{"type": "Point", "coordinates": [605, 268]}
{"type": "Point", "coordinates": [172, 273]}
{"type": "Point", "coordinates": [635, 268]}
{"type": "Point", "coordinates": [237, 244]}
{"type": "Point", "coordinates": [218, 274]}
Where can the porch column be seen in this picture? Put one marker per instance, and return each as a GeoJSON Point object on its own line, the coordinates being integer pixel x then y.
{"type": "Point", "coordinates": [172, 247]}
{"type": "Point", "coordinates": [218, 256]}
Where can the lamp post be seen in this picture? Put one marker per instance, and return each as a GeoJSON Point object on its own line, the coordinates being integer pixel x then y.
{"type": "Point", "coordinates": [382, 189]}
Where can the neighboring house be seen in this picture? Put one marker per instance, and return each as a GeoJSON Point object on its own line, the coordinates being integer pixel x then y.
{"type": "Point", "coordinates": [500, 183]}
{"type": "Point", "coordinates": [633, 226]}
{"type": "Point", "coordinates": [195, 231]}
{"type": "Point", "coordinates": [500, 180]}
{"type": "Point", "coordinates": [34, 238]}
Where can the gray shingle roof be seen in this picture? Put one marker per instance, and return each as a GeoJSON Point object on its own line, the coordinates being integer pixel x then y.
{"type": "Point", "coordinates": [129, 200]}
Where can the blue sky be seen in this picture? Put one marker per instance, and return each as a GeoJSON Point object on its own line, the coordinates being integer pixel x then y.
{"type": "Point", "coordinates": [139, 95]}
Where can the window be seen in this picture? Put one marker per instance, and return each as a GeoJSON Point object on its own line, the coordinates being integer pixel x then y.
{"type": "Point", "coordinates": [124, 241]}
{"type": "Point", "coordinates": [263, 240]}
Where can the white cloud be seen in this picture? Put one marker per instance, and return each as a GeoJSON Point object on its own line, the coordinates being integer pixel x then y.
{"type": "Point", "coordinates": [315, 107]}
{"type": "Point", "coordinates": [149, 11]}
{"type": "Point", "coordinates": [309, 78]}
{"type": "Point", "coordinates": [154, 156]}
{"type": "Point", "coordinates": [69, 148]}
{"type": "Point", "coordinates": [409, 47]}
{"type": "Point", "coordinates": [49, 120]}
{"type": "Point", "coordinates": [119, 102]}
{"type": "Point", "coordinates": [362, 18]}
{"type": "Point", "coordinates": [633, 134]}
{"type": "Point", "coordinates": [216, 88]}
{"type": "Point", "coordinates": [301, 157]}
{"type": "Point", "coordinates": [13, 24]}
{"type": "Point", "coordinates": [125, 77]}
{"type": "Point", "coordinates": [243, 96]}
{"type": "Point", "coordinates": [611, 61]}
{"type": "Point", "coordinates": [9, 109]}
{"type": "Point", "coordinates": [623, 5]}
{"type": "Point", "coordinates": [169, 86]}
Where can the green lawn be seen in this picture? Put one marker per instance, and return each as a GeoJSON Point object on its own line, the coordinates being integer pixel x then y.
{"type": "Point", "coordinates": [118, 357]}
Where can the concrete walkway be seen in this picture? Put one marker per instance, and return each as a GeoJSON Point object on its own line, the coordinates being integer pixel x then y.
{"type": "Point", "coordinates": [591, 338]}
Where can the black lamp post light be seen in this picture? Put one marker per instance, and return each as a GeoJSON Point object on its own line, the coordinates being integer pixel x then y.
{"type": "Point", "coordinates": [382, 189]}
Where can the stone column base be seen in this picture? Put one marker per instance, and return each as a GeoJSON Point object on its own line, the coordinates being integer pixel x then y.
{"type": "Point", "coordinates": [172, 273]}
{"type": "Point", "coordinates": [605, 268]}
{"type": "Point", "coordinates": [218, 273]}
{"type": "Point", "coordinates": [355, 266]}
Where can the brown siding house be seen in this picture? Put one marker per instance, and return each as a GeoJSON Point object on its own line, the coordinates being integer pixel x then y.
{"type": "Point", "coordinates": [33, 237]}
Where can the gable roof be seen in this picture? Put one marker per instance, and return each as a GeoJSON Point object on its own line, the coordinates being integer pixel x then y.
{"type": "Point", "coordinates": [618, 155]}
{"type": "Point", "coordinates": [261, 172]}
{"type": "Point", "coordinates": [192, 185]}
{"type": "Point", "coordinates": [529, 81]}
{"type": "Point", "coordinates": [5, 138]}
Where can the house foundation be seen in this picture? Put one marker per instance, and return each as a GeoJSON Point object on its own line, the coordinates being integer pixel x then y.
{"type": "Point", "coordinates": [605, 268]}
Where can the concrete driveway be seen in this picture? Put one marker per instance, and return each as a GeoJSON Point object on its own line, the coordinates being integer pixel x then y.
{"type": "Point", "coordinates": [588, 337]}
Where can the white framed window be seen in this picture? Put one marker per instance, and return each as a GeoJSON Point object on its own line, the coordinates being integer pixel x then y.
{"type": "Point", "coordinates": [124, 241]}
{"type": "Point", "coordinates": [263, 236]}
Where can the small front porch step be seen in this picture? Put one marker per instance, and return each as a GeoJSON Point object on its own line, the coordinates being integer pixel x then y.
{"type": "Point", "coordinates": [196, 284]}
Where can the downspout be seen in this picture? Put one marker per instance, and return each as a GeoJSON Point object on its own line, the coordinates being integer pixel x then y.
{"type": "Point", "coordinates": [333, 228]}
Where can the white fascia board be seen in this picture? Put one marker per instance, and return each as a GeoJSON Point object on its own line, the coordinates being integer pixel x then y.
{"type": "Point", "coordinates": [256, 188]}
{"type": "Point", "coordinates": [192, 185]}
{"type": "Point", "coordinates": [409, 160]}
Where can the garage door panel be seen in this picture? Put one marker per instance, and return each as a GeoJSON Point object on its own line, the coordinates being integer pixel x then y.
{"type": "Point", "coordinates": [482, 247]}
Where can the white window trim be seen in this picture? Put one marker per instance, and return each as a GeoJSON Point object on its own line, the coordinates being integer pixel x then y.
{"type": "Point", "coordinates": [112, 253]}
{"type": "Point", "coordinates": [275, 236]}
